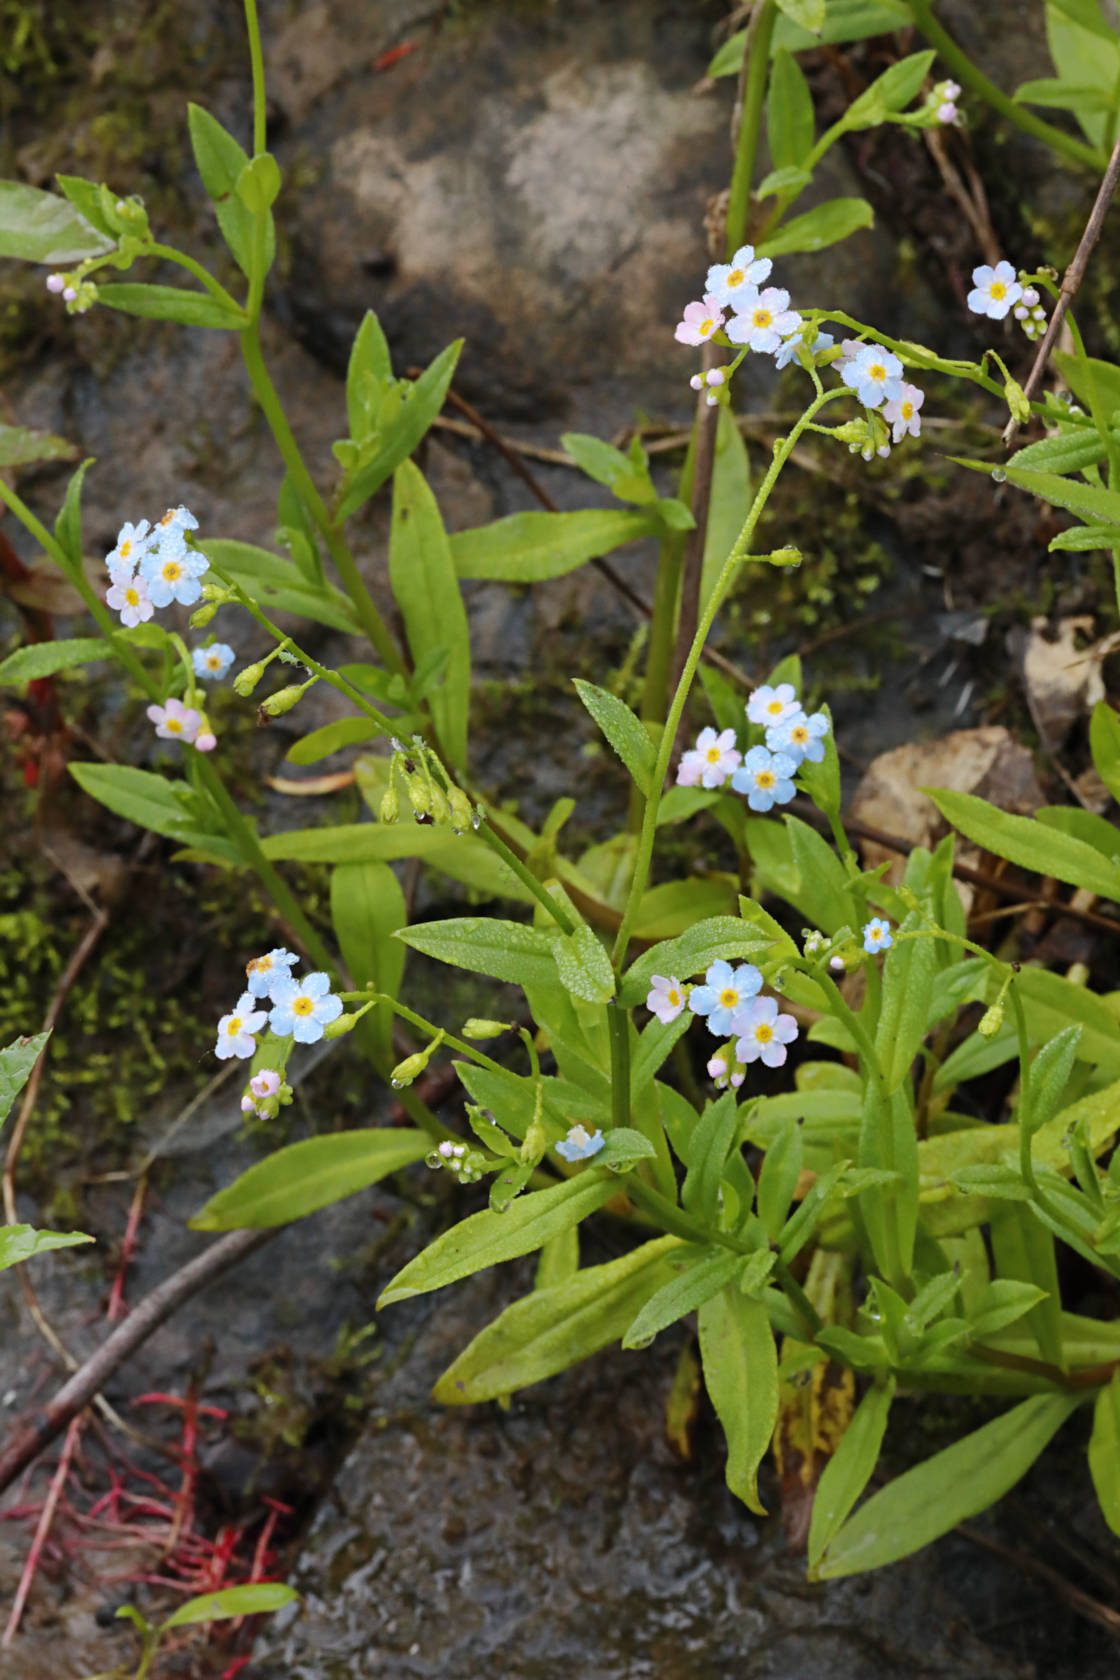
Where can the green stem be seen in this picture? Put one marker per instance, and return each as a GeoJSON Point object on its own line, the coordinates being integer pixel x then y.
{"type": "Point", "coordinates": [214, 287]}
{"type": "Point", "coordinates": [798, 1299]}
{"type": "Point", "coordinates": [908, 353]}
{"type": "Point", "coordinates": [1026, 1164]}
{"type": "Point", "coordinates": [263, 389]}
{"type": "Point", "coordinates": [256, 60]}
{"type": "Point", "coordinates": [526, 876]}
{"type": "Point", "coordinates": [618, 1030]}
{"type": "Point", "coordinates": [976, 82]}
{"type": "Point", "coordinates": [457, 1044]}
{"type": "Point", "coordinates": [782, 453]}
{"type": "Point", "coordinates": [757, 72]}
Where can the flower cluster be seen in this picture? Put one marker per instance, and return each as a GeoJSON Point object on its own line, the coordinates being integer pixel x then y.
{"type": "Point", "coordinates": [77, 294]}
{"type": "Point", "coordinates": [734, 299]}
{"type": "Point", "coordinates": [944, 101]}
{"type": "Point", "coordinates": [729, 999]}
{"type": "Point", "coordinates": [998, 290]}
{"type": "Point", "coordinates": [765, 773]}
{"type": "Point", "coordinates": [266, 1093]}
{"type": "Point", "coordinates": [301, 1009]}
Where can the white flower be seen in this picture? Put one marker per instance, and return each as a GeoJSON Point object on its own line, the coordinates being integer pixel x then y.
{"type": "Point", "coordinates": [133, 542]}
{"type": "Point", "coordinates": [763, 1033]}
{"type": "Point", "coordinates": [174, 522]}
{"type": "Point", "coordinates": [772, 705]}
{"type": "Point", "coordinates": [262, 974]}
{"type": "Point", "coordinates": [700, 321]}
{"type": "Point", "coordinates": [129, 596]}
{"type": "Point", "coordinates": [175, 722]}
{"type": "Point", "coordinates": [729, 283]}
{"type": "Point", "coordinates": [994, 290]}
{"type": "Point", "coordinates": [902, 413]}
{"type": "Point", "coordinates": [874, 375]}
{"type": "Point", "coordinates": [235, 1030]}
{"type": "Point", "coordinates": [763, 319]}
{"type": "Point", "coordinates": [713, 758]}
{"type": "Point", "coordinates": [212, 661]}
{"type": "Point", "coordinates": [666, 997]}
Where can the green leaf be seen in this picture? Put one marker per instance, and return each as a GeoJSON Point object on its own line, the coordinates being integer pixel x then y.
{"type": "Point", "coordinates": [1003, 1302]}
{"type": "Point", "coordinates": [1049, 1075]}
{"type": "Point", "coordinates": [1104, 743]}
{"type": "Point", "coordinates": [625, 732]}
{"type": "Point", "coordinates": [816, 229]}
{"type": "Point", "coordinates": [790, 123]}
{"type": "Point", "coordinates": [849, 1469]}
{"type": "Point", "coordinates": [891, 91]}
{"type": "Point", "coordinates": [627, 479]}
{"type": "Point", "coordinates": [556, 1327]}
{"type": "Point", "coordinates": [367, 909]}
{"type": "Point", "coordinates": [275, 583]}
{"type": "Point", "coordinates": [908, 976]}
{"type": "Point", "coordinates": [708, 1150]}
{"type": "Point", "coordinates": [1082, 538]}
{"type": "Point", "coordinates": [845, 20]}
{"type": "Point", "coordinates": [583, 965]}
{"type": "Point", "coordinates": [701, 1274]}
{"type": "Point", "coordinates": [1104, 1452]}
{"type": "Point", "coordinates": [367, 373]}
{"type": "Point", "coordinates": [670, 909]}
{"type": "Point", "coordinates": [1065, 452]}
{"type": "Point", "coordinates": [43, 659]}
{"type": "Point", "coordinates": [40, 227]}
{"type": "Point", "coordinates": [68, 525]}
{"type": "Point", "coordinates": [505, 950]}
{"type": "Point", "coordinates": [1052, 91]}
{"type": "Point", "coordinates": [1061, 492]}
{"type": "Point", "coordinates": [424, 401]}
{"type": "Point", "coordinates": [1093, 382]}
{"type": "Point", "coordinates": [807, 14]}
{"type": "Point", "coordinates": [259, 183]}
{"type": "Point", "coordinates": [957, 1483]}
{"type": "Point", "coordinates": [254, 1599]}
{"type": "Point", "coordinates": [146, 799]}
{"type": "Point", "coordinates": [309, 1175]}
{"type": "Point", "coordinates": [488, 1238]}
{"type": "Point", "coordinates": [781, 1169]}
{"type": "Point", "coordinates": [427, 592]}
{"type": "Point", "coordinates": [331, 738]}
{"type": "Point", "coordinates": [20, 1242]}
{"type": "Point", "coordinates": [706, 942]}
{"type": "Point", "coordinates": [729, 501]}
{"type": "Point", "coordinates": [16, 1061]}
{"type": "Point", "coordinates": [221, 162]}
{"type": "Point", "coordinates": [1085, 826]}
{"type": "Point", "coordinates": [741, 1375]}
{"type": "Point", "coordinates": [1030, 844]}
{"type": "Point", "coordinates": [1087, 15]}
{"type": "Point", "coordinates": [86, 198]}
{"type": "Point", "coordinates": [171, 303]}
{"type": "Point", "coordinates": [533, 547]}
{"type": "Point", "coordinates": [19, 445]}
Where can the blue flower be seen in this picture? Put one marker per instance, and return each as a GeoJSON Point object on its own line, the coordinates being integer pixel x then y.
{"type": "Point", "coordinates": [877, 935]}
{"type": "Point", "coordinates": [874, 375]}
{"type": "Point", "coordinates": [263, 973]}
{"type": "Point", "coordinates": [789, 347]}
{"type": "Point", "coordinates": [172, 571]}
{"type": "Point", "coordinates": [724, 991]}
{"type": "Point", "coordinates": [303, 1008]}
{"type": "Point", "coordinates": [765, 778]}
{"type": "Point", "coordinates": [212, 661]}
{"type": "Point", "coordinates": [799, 737]}
{"type": "Point", "coordinates": [580, 1144]}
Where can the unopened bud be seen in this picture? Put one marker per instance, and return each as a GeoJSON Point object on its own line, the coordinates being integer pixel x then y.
{"type": "Point", "coordinates": [203, 615]}
{"type": "Point", "coordinates": [246, 681]}
{"type": "Point", "coordinates": [476, 1027]}
{"type": "Point", "coordinates": [390, 806]}
{"type": "Point", "coordinates": [785, 557]}
{"type": "Point", "coordinates": [420, 795]}
{"type": "Point", "coordinates": [535, 1144]}
{"type": "Point", "coordinates": [462, 813]}
{"type": "Point", "coordinates": [284, 699]}
{"type": "Point", "coordinates": [408, 1070]}
{"type": "Point", "coordinates": [991, 1021]}
{"type": "Point", "coordinates": [440, 810]}
{"type": "Point", "coordinates": [343, 1025]}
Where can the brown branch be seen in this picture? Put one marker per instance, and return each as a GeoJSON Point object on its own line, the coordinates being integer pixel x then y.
{"type": "Point", "coordinates": [1071, 280]}
{"type": "Point", "coordinates": [1082, 1602]}
{"type": "Point", "coordinates": [152, 1311]}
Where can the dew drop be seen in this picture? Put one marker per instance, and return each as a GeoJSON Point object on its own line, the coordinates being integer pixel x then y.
{"type": "Point", "coordinates": [999, 476]}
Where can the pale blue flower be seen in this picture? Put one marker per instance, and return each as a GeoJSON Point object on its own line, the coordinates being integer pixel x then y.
{"type": "Point", "coordinates": [133, 542]}
{"type": "Point", "coordinates": [730, 282]}
{"type": "Point", "coordinates": [874, 375]}
{"type": "Point", "coordinates": [788, 348]}
{"type": "Point", "coordinates": [768, 705]}
{"type": "Point", "coordinates": [994, 290]}
{"type": "Point", "coordinates": [799, 737]}
{"type": "Point", "coordinates": [172, 571]}
{"type": "Point", "coordinates": [725, 990]}
{"type": "Point", "coordinates": [762, 1034]}
{"type": "Point", "coordinates": [877, 935]}
{"type": "Point", "coordinates": [263, 973]}
{"type": "Point", "coordinates": [235, 1030]}
{"type": "Point", "coordinates": [304, 1007]}
{"type": "Point", "coordinates": [212, 661]}
{"type": "Point", "coordinates": [765, 778]}
{"type": "Point", "coordinates": [580, 1144]}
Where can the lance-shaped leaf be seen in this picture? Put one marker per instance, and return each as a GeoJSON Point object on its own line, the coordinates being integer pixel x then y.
{"type": "Point", "coordinates": [701, 1273]}
{"type": "Point", "coordinates": [556, 1327]}
{"type": "Point", "coordinates": [533, 547]}
{"type": "Point", "coordinates": [488, 1238]}
{"type": "Point", "coordinates": [171, 303]}
{"type": "Point", "coordinates": [583, 965]}
{"type": "Point", "coordinates": [425, 399]}
{"type": "Point", "coordinates": [43, 659]}
{"type": "Point", "coordinates": [816, 229]}
{"type": "Point", "coordinates": [908, 976]}
{"type": "Point", "coordinates": [255, 1598]}
{"type": "Point", "coordinates": [504, 950]}
{"type": "Point", "coordinates": [367, 908]}
{"type": "Point", "coordinates": [20, 1242]}
{"type": "Point", "coordinates": [741, 1375]}
{"type": "Point", "coordinates": [19, 445]}
{"type": "Point", "coordinates": [625, 732]}
{"type": "Point", "coordinates": [308, 1175]}
{"type": "Point", "coordinates": [1030, 844]}
{"type": "Point", "coordinates": [1104, 1452]}
{"type": "Point", "coordinates": [426, 590]}
{"type": "Point", "coordinates": [16, 1062]}
{"type": "Point", "coordinates": [39, 227]}
{"type": "Point", "coordinates": [850, 1468]}
{"type": "Point", "coordinates": [958, 1483]}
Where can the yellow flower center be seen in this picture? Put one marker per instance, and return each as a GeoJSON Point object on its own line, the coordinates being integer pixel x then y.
{"type": "Point", "coordinates": [259, 965]}
{"type": "Point", "coordinates": [736, 277]}
{"type": "Point", "coordinates": [674, 996]}
{"type": "Point", "coordinates": [877, 371]}
{"type": "Point", "coordinates": [132, 596]}
{"type": "Point", "coordinates": [713, 755]}
{"type": "Point", "coordinates": [875, 933]}
{"type": "Point", "coordinates": [169, 517]}
{"type": "Point", "coordinates": [765, 778]}
{"type": "Point", "coordinates": [707, 326]}
{"type": "Point", "coordinates": [234, 1026]}
{"type": "Point", "coordinates": [763, 1033]}
{"type": "Point", "coordinates": [212, 662]}
{"type": "Point", "coordinates": [907, 410]}
{"type": "Point", "coordinates": [762, 318]}
{"type": "Point", "coordinates": [174, 724]}
{"type": "Point", "coordinates": [800, 734]}
{"type": "Point", "coordinates": [126, 550]}
{"type": "Point", "coordinates": [729, 997]}
{"type": "Point", "coordinates": [171, 570]}
{"type": "Point", "coordinates": [302, 1006]}
{"type": "Point", "coordinates": [997, 290]}
{"type": "Point", "coordinates": [774, 707]}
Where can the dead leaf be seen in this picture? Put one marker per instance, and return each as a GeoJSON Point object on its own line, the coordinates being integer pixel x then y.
{"type": "Point", "coordinates": [1062, 681]}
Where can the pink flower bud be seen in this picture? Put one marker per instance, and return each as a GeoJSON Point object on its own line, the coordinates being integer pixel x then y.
{"type": "Point", "coordinates": [69, 294]}
{"type": "Point", "coordinates": [206, 742]}
{"type": "Point", "coordinates": [55, 282]}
